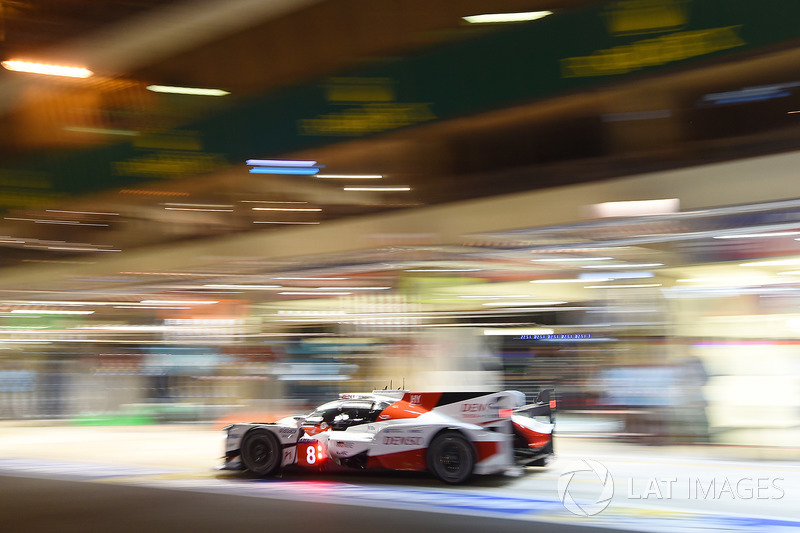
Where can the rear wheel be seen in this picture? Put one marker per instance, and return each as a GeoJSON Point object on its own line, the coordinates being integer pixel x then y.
{"type": "Point", "coordinates": [261, 452]}
{"type": "Point", "coordinates": [451, 458]}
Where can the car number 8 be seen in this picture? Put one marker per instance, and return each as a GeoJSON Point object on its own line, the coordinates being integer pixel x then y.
{"type": "Point", "coordinates": [311, 455]}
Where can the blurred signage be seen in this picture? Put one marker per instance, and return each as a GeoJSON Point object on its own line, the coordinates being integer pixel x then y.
{"type": "Point", "coordinates": [363, 106]}
{"type": "Point", "coordinates": [638, 17]}
{"type": "Point", "coordinates": [508, 66]}
{"type": "Point", "coordinates": [652, 52]}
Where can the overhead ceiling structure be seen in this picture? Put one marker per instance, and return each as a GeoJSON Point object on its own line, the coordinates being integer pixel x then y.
{"type": "Point", "coordinates": [103, 178]}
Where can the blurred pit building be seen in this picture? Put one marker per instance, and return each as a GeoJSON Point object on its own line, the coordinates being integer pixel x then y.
{"type": "Point", "coordinates": [218, 208]}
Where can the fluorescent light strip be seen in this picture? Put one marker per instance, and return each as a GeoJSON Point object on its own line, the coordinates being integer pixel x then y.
{"type": "Point", "coordinates": [496, 18]}
{"type": "Point", "coordinates": [287, 209]}
{"type": "Point", "coordinates": [178, 302]}
{"type": "Point", "coordinates": [199, 209]}
{"type": "Point", "coordinates": [313, 279]}
{"type": "Point", "coordinates": [517, 304]}
{"type": "Point", "coordinates": [280, 163]}
{"type": "Point", "coordinates": [148, 307]}
{"type": "Point", "coordinates": [49, 70]}
{"type": "Point", "coordinates": [288, 171]}
{"type": "Point", "coordinates": [377, 189]}
{"type": "Point", "coordinates": [193, 91]}
{"type": "Point", "coordinates": [350, 176]}
{"type": "Point", "coordinates": [195, 205]}
{"type": "Point", "coordinates": [62, 302]}
{"type": "Point", "coordinates": [635, 286]}
{"type": "Point", "coordinates": [269, 202]}
{"type": "Point", "coordinates": [250, 287]}
{"type": "Point", "coordinates": [352, 288]}
{"type": "Point", "coordinates": [62, 222]}
{"type": "Point", "coordinates": [80, 249]}
{"type": "Point", "coordinates": [444, 270]}
{"type": "Point", "coordinates": [630, 265]}
{"type": "Point", "coordinates": [304, 293]}
{"type": "Point", "coordinates": [50, 312]}
{"type": "Point", "coordinates": [565, 280]}
{"type": "Point", "coordinates": [277, 222]}
{"type": "Point", "coordinates": [759, 235]}
{"type": "Point", "coordinates": [571, 259]}
{"type": "Point", "coordinates": [79, 212]}
{"type": "Point", "coordinates": [495, 297]}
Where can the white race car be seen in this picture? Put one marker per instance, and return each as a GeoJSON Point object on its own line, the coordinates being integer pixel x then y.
{"type": "Point", "coordinates": [452, 434]}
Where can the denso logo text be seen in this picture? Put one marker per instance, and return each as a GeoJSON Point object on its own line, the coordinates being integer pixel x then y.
{"type": "Point", "coordinates": [473, 407]}
{"type": "Point", "coordinates": [402, 441]}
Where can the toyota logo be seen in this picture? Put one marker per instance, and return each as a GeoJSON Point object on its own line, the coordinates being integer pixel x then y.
{"type": "Point", "coordinates": [585, 508]}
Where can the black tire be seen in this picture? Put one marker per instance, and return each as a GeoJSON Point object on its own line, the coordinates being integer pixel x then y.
{"type": "Point", "coordinates": [451, 457]}
{"type": "Point", "coordinates": [261, 452]}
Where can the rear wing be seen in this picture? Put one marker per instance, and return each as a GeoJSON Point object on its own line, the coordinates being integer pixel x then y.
{"type": "Point", "coordinates": [543, 405]}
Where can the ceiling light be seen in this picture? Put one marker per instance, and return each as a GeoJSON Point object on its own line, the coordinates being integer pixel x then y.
{"type": "Point", "coordinates": [80, 212]}
{"type": "Point", "coordinates": [566, 280]}
{"type": "Point", "coordinates": [378, 189]}
{"type": "Point", "coordinates": [252, 287]}
{"type": "Point", "coordinates": [634, 208]}
{"type": "Point", "coordinates": [186, 90]}
{"type": "Point", "coordinates": [444, 270]}
{"type": "Point", "coordinates": [287, 209]}
{"type": "Point", "coordinates": [312, 279]}
{"type": "Point", "coordinates": [353, 288]}
{"type": "Point", "coordinates": [310, 171]}
{"type": "Point", "coordinates": [50, 312]}
{"type": "Point", "coordinates": [570, 259]}
{"type": "Point", "coordinates": [280, 163]}
{"type": "Point", "coordinates": [50, 70]}
{"type": "Point", "coordinates": [759, 235]}
{"type": "Point", "coordinates": [633, 286]}
{"type": "Point", "coordinates": [497, 18]}
{"type": "Point", "coordinates": [629, 265]}
{"type": "Point", "coordinates": [307, 293]}
{"type": "Point", "coordinates": [178, 302]}
{"type": "Point", "coordinates": [278, 222]}
{"type": "Point", "coordinates": [350, 176]}
{"type": "Point", "coordinates": [203, 209]}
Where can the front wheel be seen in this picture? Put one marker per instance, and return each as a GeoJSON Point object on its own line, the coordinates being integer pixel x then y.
{"type": "Point", "coordinates": [261, 452]}
{"type": "Point", "coordinates": [451, 458]}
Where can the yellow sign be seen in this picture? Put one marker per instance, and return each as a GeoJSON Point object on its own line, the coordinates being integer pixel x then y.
{"type": "Point", "coordinates": [636, 17]}
{"type": "Point", "coordinates": [652, 52]}
{"type": "Point", "coordinates": [372, 109]}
